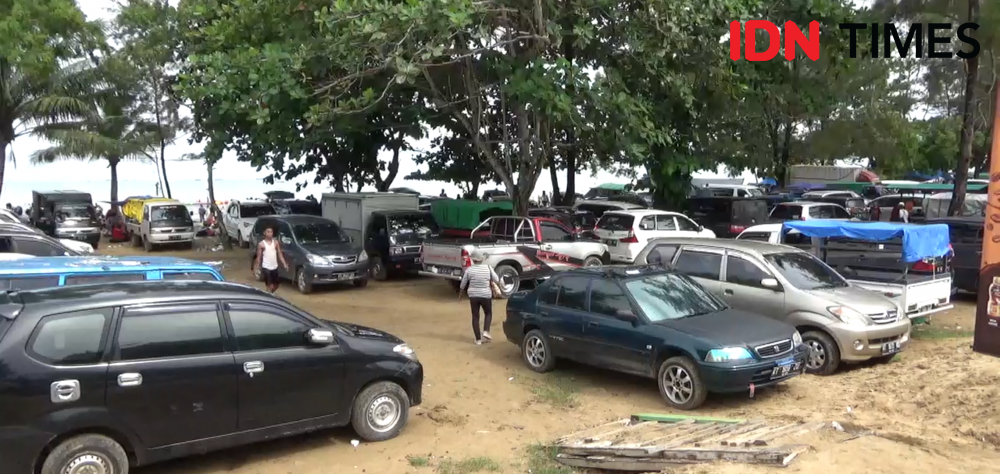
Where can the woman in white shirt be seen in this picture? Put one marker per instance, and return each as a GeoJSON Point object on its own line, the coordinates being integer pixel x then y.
{"type": "Point", "coordinates": [476, 283]}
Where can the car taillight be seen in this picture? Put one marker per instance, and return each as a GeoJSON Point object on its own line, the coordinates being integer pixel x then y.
{"type": "Point", "coordinates": [466, 259]}
{"type": "Point", "coordinates": [736, 229]}
{"type": "Point", "coordinates": [631, 239]}
{"type": "Point", "coordinates": [923, 266]}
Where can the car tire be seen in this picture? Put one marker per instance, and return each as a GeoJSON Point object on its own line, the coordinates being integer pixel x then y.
{"type": "Point", "coordinates": [536, 352]}
{"type": "Point", "coordinates": [680, 383]}
{"type": "Point", "coordinates": [824, 355]}
{"type": "Point", "coordinates": [378, 270]}
{"type": "Point", "coordinates": [89, 449]}
{"type": "Point", "coordinates": [380, 411]}
{"type": "Point", "coordinates": [302, 282]}
{"type": "Point", "coordinates": [135, 240]}
{"type": "Point", "coordinates": [592, 261]}
{"type": "Point", "coordinates": [147, 245]}
{"type": "Point", "coordinates": [245, 244]}
{"type": "Point", "coordinates": [361, 283]}
{"type": "Point", "coordinates": [509, 272]}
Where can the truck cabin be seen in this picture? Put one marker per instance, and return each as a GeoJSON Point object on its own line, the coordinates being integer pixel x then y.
{"type": "Point", "coordinates": [167, 215]}
{"type": "Point", "coordinates": [524, 229]}
{"type": "Point", "coordinates": [55, 209]}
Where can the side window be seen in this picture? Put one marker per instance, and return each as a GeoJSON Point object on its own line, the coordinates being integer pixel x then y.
{"type": "Point", "coordinates": [839, 212]}
{"type": "Point", "coordinates": [6, 245]}
{"type": "Point", "coordinates": [29, 283]}
{"type": "Point", "coordinates": [820, 212]}
{"type": "Point", "coordinates": [37, 248]}
{"type": "Point", "coordinates": [741, 193]}
{"type": "Point", "coordinates": [178, 331]}
{"type": "Point", "coordinates": [665, 222]}
{"type": "Point", "coordinates": [284, 233]}
{"type": "Point", "coordinates": [378, 226]}
{"type": "Point", "coordinates": [93, 279]}
{"type": "Point", "coordinates": [550, 293]}
{"type": "Point", "coordinates": [755, 236]}
{"type": "Point", "coordinates": [740, 271]}
{"type": "Point", "coordinates": [606, 298]}
{"type": "Point", "coordinates": [145, 213]}
{"type": "Point", "coordinates": [700, 264]}
{"type": "Point", "coordinates": [685, 224]}
{"type": "Point", "coordinates": [573, 293]}
{"type": "Point", "coordinates": [553, 233]}
{"type": "Point", "coordinates": [71, 338]}
{"type": "Point", "coordinates": [189, 276]}
{"type": "Point", "coordinates": [661, 255]}
{"type": "Point", "coordinates": [257, 329]}
{"type": "Point", "coordinates": [647, 223]}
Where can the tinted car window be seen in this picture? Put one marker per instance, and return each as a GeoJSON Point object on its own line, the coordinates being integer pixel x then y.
{"type": "Point", "coordinates": [196, 276]}
{"type": "Point", "coordinates": [29, 283]}
{"type": "Point", "coordinates": [169, 332]}
{"type": "Point", "coordinates": [700, 264]}
{"type": "Point", "coordinates": [573, 293]}
{"type": "Point", "coordinates": [607, 298]}
{"type": "Point", "coordinates": [661, 254]}
{"type": "Point", "coordinates": [258, 330]}
{"type": "Point", "coordinates": [806, 272]}
{"type": "Point", "coordinates": [552, 232]}
{"type": "Point", "coordinates": [615, 222]}
{"type": "Point", "coordinates": [256, 210]}
{"type": "Point", "coordinates": [755, 236]}
{"type": "Point", "coordinates": [92, 279]}
{"type": "Point", "coordinates": [820, 212]}
{"type": "Point", "coordinates": [317, 232]}
{"type": "Point", "coordinates": [839, 212]}
{"type": "Point", "coordinates": [685, 224]}
{"type": "Point", "coordinates": [71, 338]}
{"type": "Point", "coordinates": [671, 296]}
{"type": "Point", "coordinates": [38, 248]}
{"type": "Point", "coordinates": [784, 212]}
{"type": "Point", "coordinates": [549, 294]}
{"type": "Point", "coordinates": [665, 222]}
{"type": "Point", "coordinates": [742, 272]}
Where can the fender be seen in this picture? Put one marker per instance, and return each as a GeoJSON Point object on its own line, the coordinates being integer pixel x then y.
{"type": "Point", "coordinates": [804, 318]}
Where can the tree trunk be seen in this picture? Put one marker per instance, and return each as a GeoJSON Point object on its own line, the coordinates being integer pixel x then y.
{"type": "Point", "coordinates": [3, 160]}
{"type": "Point", "coordinates": [569, 52]}
{"type": "Point", "coordinates": [113, 164]}
{"type": "Point", "coordinates": [968, 125]}
{"type": "Point", "coordinates": [163, 168]}
{"type": "Point", "coordinates": [555, 183]}
{"type": "Point", "coordinates": [384, 184]}
{"type": "Point", "coordinates": [221, 225]}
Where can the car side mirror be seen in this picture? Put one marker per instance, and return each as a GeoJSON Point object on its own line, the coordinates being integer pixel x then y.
{"type": "Point", "coordinates": [701, 228]}
{"type": "Point", "coordinates": [320, 337]}
{"type": "Point", "coordinates": [769, 283]}
{"type": "Point", "coordinates": [626, 315]}
{"type": "Point", "coordinates": [286, 240]}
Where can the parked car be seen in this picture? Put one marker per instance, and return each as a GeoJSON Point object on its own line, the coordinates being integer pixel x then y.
{"type": "Point", "coordinates": [734, 190]}
{"type": "Point", "coordinates": [8, 216]}
{"type": "Point", "coordinates": [81, 248]}
{"type": "Point", "coordinates": [771, 233]}
{"type": "Point", "coordinates": [393, 240]}
{"type": "Point", "coordinates": [653, 323]}
{"type": "Point", "coordinates": [840, 322]}
{"type": "Point", "coordinates": [46, 272]}
{"type": "Point", "coordinates": [101, 378]}
{"type": "Point", "coordinates": [578, 220]}
{"type": "Point", "coordinates": [726, 216]}
{"type": "Point", "coordinates": [829, 193]}
{"type": "Point", "coordinates": [966, 234]}
{"type": "Point", "coordinates": [316, 250]}
{"type": "Point", "coordinates": [241, 216]}
{"type": "Point", "coordinates": [599, 206]}
{"type": "Point", "coordinates": [153, 222]}
{"type": "Point", "coordinates": [517, 248]}
{"type": "Point", "coordinates": [855, 206]}
{"type": "Point", "coordinates": [296, 206]}
{"type": "Point", "coordinates": [66, 215]}
{"type": "Point", "coordinates": [626, 232]}
{"type": "Point", "coordinates": [32, 243]}
{"type": "Point", "coordinates": [627, 197]}
{"type": "Point", "coordinates": [806, 210]}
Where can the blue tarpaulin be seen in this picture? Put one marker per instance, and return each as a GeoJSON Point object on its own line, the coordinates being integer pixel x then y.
{"type": "Point", "coordinates": [919, 241]}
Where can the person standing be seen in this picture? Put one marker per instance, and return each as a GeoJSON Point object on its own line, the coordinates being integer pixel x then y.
{"type": "Point", "coordinates": [267, 260]}
{"type": "Point", "coordinates": [201, 213]}
{"type": "Point", "coordinates": [476, 282]}
{"type": "Point", "coordinates": [443, 194]}
{"type": "Point", "coordinates": [904, 213]}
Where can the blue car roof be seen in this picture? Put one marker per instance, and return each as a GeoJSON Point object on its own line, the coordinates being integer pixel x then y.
{"type": "Point", "coordinates": [44, 265]}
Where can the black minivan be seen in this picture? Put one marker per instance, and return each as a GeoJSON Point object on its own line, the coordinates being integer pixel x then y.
{"type": "Point", "coordinates": [98, 378]}
{"type": "Point", "coordinates": [727, 216]}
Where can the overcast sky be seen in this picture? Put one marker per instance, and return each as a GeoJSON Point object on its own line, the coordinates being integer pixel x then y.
{"type": "Point", "coordinates": [139, 177]}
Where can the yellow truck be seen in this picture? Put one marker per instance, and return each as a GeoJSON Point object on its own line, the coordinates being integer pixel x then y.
{"type": "Point", "coordinates": [158, 221]}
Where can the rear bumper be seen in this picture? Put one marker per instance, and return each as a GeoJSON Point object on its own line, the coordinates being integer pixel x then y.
{"type": "Point", "coordinates": [403, 263]}
{"type": "Point", "coordinates": [723, 379]}
{"type": "Point", "coordinates": [624, 253]}
{"type": "Point", "coordinates": [338, 273]}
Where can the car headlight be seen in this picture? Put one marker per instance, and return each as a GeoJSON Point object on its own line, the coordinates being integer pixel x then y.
{"type": "Point", "coordinates": [406, 351]}
{"type": "Point", "coordinates": [796, 338]}
{"type": "Point", "coordinates": [363, 256]}
{"type": "Point", "coordinates": [727, 354]}
{"type": "Point", "coordinates": [317, 259]}
{"type": "Point", "coordinates": [848, 316]}
{"type": "Point", "coordinates": [396, 250]}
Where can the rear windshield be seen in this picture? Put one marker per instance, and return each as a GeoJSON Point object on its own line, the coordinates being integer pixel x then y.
{"type": "Point", "coordinates": [256, 210]}
{"type": "Point", "coordinates": [304, 207]}
{"type": "Point", "coordinates": [756, 236]}
{"type": "Point", "coordinates": [749, 211]}
{"type": "Point", "coordinates": [786, 213]}
{"type": "Point", "coordinates": [584, 220]}
{"type": "Point", "coordinates": [615, 222]}
{"type": "Point", "coordinates": [854, 203]}
{"type": "Point", "coordinates": [170, 213]}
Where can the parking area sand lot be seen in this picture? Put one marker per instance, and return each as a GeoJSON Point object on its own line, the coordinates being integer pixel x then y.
{"type": "Point", "coordinates": [935, 409]}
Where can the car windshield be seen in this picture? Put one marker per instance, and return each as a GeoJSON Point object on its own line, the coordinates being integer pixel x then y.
{"type": "Point", "coordinates": [672, 296]}
{"type": "Point", "coordinates": [76, 211]}
{"type": "Point", "coordinates": [412, 224]}
{"type": "Point", "coordinates": [754, 192]}
{"type": "Point", "coordinates": [806, 272]}
{"type": "Point", "coordinates": [319, 233]}
{"type": "Point", "coordinates": [169, 213]}
{"type": "Point", "coordinates": [304, 207]}
{"type": "Point", "coordinates": [256, 210]}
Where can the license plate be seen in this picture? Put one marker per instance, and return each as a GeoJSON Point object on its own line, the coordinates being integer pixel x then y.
{"type": "Point", "coordinates": [175, 237]}
{"type": "Point", "coordinates": [456, 272]}
{"type": "Point", "coordinates": [890, 348]}
{"type": "Point", "coordinates": [79, 237]}
{"type": "Point", "coordinates": [432, 268]}
{"type": "Point", "coordinates": [345, 276]}
{"type": "Point", "coordinates": [611, 242]}
{"type": "Point", "coordinates": [784, 368]}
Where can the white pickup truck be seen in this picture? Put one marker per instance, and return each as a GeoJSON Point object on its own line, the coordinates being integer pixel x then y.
{"type": "Point", "coordinates": [158, 221]}
{"type": "Point", "coordinates": [518, 248]}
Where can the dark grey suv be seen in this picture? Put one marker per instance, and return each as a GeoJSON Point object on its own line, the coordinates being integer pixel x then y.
{"type": "Point", "coordinates": [316, 249]}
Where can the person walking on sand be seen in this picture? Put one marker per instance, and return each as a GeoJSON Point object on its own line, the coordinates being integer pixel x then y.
{"type": "Point", "coordinates": [267, 260]}
{"type": "Point", "coordinates": [476, 282]}
{"type": "Point", "coordinates": [201, 213]}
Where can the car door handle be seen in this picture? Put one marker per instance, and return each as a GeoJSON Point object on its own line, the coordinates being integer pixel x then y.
{"type": "Point", "coordinates": [254, 367]}
{"type": "Point", "coordinates": [546, 247]}
{"type": "Point", "coordinates": [130, 379]}
{"type": "Point", "coordinates": [543, 313]}
{"type": "Point", "coordinates": [592, 324]}
{"type": "Point", "coordinates": [728, 292]}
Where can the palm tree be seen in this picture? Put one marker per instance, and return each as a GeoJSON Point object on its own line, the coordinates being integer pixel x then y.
{"type": "Point", "coordinates": [30, 103]}
{"type": "Point", "coordinates": [114, 135]}
{"type": "Point", "coordinates": [210, 156]}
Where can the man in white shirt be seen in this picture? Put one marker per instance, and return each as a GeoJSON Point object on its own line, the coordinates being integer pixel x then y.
{"type": "Point", "coordinates": [904, 215]}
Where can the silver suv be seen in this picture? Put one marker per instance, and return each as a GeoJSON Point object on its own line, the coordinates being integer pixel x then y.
{"type": "Point", "coordinates": [839, 322]}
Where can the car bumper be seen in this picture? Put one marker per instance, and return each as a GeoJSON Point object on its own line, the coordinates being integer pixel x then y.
{"type": "Point", "coordinates": [338, 273]}
{"type": "Point", "coordinates": [415, 376]}
{"type": "Point", "coordinates": [451, 273]}
{"type": "Point", "coordinates": [404, 263]}
{"type": "Point", "coordinates": [858, 344]}
{"type": "Point", "coordinates": [732, 379]}
{"type": "Point", "coordinates": [171, 238]}
{"type": "Point", "coordinates": [91, 238]}
{"type": "Point", "coordinates": [623, 253]}
{"type": "Point", "coordinates": [20, 447]}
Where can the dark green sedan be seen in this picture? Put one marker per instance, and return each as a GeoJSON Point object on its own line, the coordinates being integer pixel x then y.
{"type": "Point", "coordinates": [654, 323]}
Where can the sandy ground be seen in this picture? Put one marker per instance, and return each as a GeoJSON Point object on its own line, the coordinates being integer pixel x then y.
{"type": "Point", "coordinates": [932, 410]}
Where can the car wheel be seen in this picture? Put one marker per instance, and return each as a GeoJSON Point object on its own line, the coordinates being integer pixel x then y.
{"type": "Point", "coordinates": [510, 279]}
{"type": "Point", "coordinates": [243, 242]}
{"type": "Point", "coordinates": [89, 453]}
{"type": "Point", "coordinates": [135, 239]}
{"type": "Point", "coordinates": [379, 272]}
{"type": "Point", "coordinates": [147, 245]}
{"type": "Point", "coordinates": [380, 411]}
{"type": "Point", "coordinates": [302, 282]}
{"type": "Point", "coordinates": [536, 353]}
{"type": "Point", "coordinates": [680, 383]}
{"type": "Point", "coordinates": [361, 283]}
{"type": "Point", "coordinates": [824, 355]}
{"type": "Point", "coordinates": [592, 262]}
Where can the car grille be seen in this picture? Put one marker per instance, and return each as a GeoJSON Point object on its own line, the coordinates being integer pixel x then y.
{"type": "Point", "coordinates": [411, 249]}
{"type": "Point", "coordinates": [342, 260]}
{"type": "Point", "coordinates": [887, 317]}
{"type": "Point", "coordinates": [774, 349]}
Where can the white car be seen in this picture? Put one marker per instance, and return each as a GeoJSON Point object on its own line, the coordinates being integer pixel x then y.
{"type": "Point", "coordinates": [241, 216]}
{"type": "Point", "coordinates": [74, 245]}
{"type": "Point", "coordinates": [771, 233]}
{"type": "Point", "coordinates": [807, 210]}
{"type": "Point", "coordinates": [626, 233]}
{"type": "Point", "coordinates": [735, 190]}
